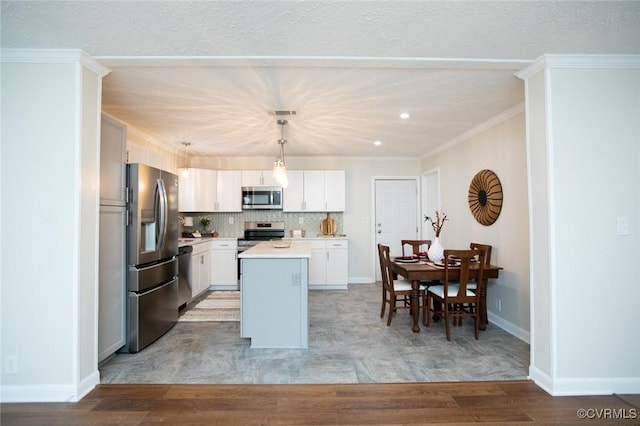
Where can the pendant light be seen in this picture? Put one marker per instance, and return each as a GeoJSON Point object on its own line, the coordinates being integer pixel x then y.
{"type": "Point", "coordinates": [279, 167]}
{"type": "Point", "coordinates": [185, 169]}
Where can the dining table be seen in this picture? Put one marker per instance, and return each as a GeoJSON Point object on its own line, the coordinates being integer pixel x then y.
{"type": "Point", "coordinates": [426, 270]}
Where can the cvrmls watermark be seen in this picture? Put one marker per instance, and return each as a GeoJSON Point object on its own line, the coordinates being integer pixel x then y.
{"type": "Point", "coordinates": [607, 413]}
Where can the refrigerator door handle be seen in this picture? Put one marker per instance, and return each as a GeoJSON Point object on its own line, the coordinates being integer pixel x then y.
{"type": "Point", "coordinates": [162, 213]}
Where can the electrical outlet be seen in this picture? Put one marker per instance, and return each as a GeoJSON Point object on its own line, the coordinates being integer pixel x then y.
{"type": "Point", "coordinates": [499, 305]}
{"type": "Point", "coordinates": [623, 225]}
{"type": "Point", "coordinates": [295, 279]}
{"type": "Point", "coordinates": [301, 220]}
{"type": "Point", "coordinates": [11, 365]}
{"type": "Point", "coordinates": [230, 220]}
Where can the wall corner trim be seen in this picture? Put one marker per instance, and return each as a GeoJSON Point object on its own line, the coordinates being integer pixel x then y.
{"type": "Point", "coordinates": [52, 56]}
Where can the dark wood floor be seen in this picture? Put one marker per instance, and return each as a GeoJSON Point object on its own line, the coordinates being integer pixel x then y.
{"type": "Point", "coordinates": [493, 403]}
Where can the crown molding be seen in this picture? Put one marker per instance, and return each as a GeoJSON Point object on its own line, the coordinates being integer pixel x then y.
{"type": "Point", "coordinates": [492, 122]}
{"type": "Point", "coordinates": [54, 56]}
{"type": "Point", "coordinates": [314, 61]}
{"type": "Point", "coordinates": [579, 62]}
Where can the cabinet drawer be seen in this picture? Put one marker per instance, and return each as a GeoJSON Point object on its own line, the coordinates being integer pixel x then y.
{"type": "Point", "coordinates": [337, 244]}
{"type": "Point", "coordinates": [224, 244]}
{"type": "Point", "coordinates": [318, 244]}
{"type": "Point", "coordinates": [329, 243]}
{"type": "Point", "coordinates": [201, 247]}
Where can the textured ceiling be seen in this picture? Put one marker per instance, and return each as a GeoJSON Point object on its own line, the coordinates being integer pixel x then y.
{"type": "Point", "coordinates": [208, 72]}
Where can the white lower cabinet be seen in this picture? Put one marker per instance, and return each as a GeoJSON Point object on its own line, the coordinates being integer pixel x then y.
{"type": "Point", "coordinates": [328, 266]}
{"type": "Point", "coordinates": [224, 264]}
{"type": "Point", "coordinates": [200, 268]}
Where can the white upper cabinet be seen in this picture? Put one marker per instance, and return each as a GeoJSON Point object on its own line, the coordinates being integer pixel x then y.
{"type": "Point", "coordinates": [315, 191]}
{"type": "Point", "coordinates": [229, 191]}
{"type": "Point", "coordinates": [258, 178]}
{"type": "Point", "coordinates": [203, 190]}
{"type": "Point", "coordinates": [293, 195]}
{"type": "Point", "coordinates": [197, 190]}
{"type": "Point", "coordinates": [113, 139]}
{"type": "Point", "coordinates": [334, 190]}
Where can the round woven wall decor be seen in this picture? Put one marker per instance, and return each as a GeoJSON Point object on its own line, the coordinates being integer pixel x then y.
{"type": "Point", "coordinates": [485, 197]}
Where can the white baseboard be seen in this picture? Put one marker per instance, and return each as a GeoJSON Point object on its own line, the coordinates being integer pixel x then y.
{"type": "Point", "coordinates": [328, 287]}
{"type": "Point", "coordinates": [361, 280]}
{"type": "Point", "coordinates": [584, 386]}
{"type": "Point", "coordinates": [541, 379]}
{"type": "Point", "coordinates": [510, 328]}
{"type": "Point", "coordinates": [230, 287]}
{"type": "Point", "coordinates": [49, 393]}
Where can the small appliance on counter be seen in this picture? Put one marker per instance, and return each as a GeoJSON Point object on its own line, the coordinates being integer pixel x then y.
{"type": "Point", "coordinates": [194, 234]}
{"type": "Point", "coordinates": [297, 233]}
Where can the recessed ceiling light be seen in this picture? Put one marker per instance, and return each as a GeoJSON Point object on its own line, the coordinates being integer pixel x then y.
{"type": "Point", "coordinates": [404, 115]}
{"type": "Point", "coordinates": [377, 143]}
{"type": "Point", "coordinates": [279, 112]}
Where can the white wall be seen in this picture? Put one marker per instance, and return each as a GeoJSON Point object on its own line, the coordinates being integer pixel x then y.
{"type": "Point", "coordinates": [50, 111]}
{"type": "Point", "coordinates": [498, 146]}
{"type": "Point", "coordinates": [590, 151]}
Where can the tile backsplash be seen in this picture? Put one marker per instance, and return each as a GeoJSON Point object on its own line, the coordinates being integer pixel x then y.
{"type": "Point", "coordinates": [221, 222]}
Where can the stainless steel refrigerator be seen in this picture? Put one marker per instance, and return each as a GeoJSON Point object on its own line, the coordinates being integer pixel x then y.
{"type": "Point", "coordinates": [152, 248]}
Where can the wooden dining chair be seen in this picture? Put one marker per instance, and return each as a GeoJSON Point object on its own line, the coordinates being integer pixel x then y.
{"type": "Point", "coordinates": [417, 246]}
{"type": "Point", "coordinates": [487, 251]}
{"type": "Point", "coordinates": [455, 299]}
{"type": "Point", "coordinates": [393, 291]}
{"type": "Point", "coordinates": [487, 261]}
{"type": "Point", "coordinates": [473, 285]}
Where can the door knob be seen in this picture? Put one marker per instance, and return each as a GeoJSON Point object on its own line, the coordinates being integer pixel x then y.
{"type": "Point", "coordinates": [379, 231]}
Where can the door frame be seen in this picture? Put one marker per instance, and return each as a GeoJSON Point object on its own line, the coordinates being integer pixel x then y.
{"type": "Point", "coordinates": [430, 176]}
{"type": "Point", "coordinates": [374, 179]}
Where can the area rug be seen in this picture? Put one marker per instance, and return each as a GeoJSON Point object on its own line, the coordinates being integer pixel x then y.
{"type": "Point", "coordinates": [218, 306]}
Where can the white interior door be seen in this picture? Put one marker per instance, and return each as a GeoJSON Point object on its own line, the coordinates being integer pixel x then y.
{"type": "Point", "coordinates": [396, 214]}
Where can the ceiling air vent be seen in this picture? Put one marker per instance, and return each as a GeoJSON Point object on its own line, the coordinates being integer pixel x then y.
{"type": "Point", "coordinates": [281, 112]}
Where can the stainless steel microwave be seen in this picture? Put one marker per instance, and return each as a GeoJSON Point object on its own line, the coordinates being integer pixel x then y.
{"type": "Point", "coordinates": [261, 198]}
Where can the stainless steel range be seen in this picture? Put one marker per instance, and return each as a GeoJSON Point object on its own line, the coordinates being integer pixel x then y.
{"type": "Point", "coordinates": [256, 232]}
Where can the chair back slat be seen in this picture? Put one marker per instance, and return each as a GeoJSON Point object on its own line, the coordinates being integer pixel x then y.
{"type": "Point", "coordinates": [415, 246]}
{"type": "Point", "coordinates": [465, 257]}
{"type": "Point", "coordinates": [385, 266]}
{"type": "Point", "coordinates": [487, 251]}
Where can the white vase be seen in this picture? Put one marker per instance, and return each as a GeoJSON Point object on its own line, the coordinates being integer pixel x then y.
{"type": "Point", "coordinates": [436, 251]}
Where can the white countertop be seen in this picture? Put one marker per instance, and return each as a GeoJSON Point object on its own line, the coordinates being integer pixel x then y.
{"type": "Point", "coordinates": [190, 241]}
{"type": "Point", "coordinates": [265, 250]}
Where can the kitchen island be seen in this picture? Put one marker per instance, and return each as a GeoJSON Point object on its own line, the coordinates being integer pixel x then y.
{"type": "Point", "coordinates": [274, 285]}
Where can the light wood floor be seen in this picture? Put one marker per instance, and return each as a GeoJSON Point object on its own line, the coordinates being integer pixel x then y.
{"type": "Point", "coordinates": [495, 403]}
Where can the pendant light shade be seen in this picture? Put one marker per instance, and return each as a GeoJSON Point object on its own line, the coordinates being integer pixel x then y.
{"type": "Point", "coordinates": [279, 167]}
